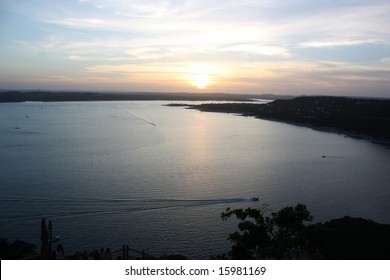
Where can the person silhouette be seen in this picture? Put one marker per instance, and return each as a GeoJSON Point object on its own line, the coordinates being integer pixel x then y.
{"type": "Point", "coordinates": [60, 255]}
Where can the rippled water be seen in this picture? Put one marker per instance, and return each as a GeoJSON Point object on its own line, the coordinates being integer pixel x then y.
{"type": "Point", "coordinates": [157, 178]}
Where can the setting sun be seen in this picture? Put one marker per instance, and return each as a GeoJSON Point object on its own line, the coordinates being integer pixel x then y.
{"type": "Point", "coordinates": [202, 75]}
{"type": "Point", "coordinates": [201, 81]}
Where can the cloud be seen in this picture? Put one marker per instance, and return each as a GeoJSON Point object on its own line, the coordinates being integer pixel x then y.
{"type": "Point", "coordinates": [151, 69]}
{"type": "Point", "coordinates": [260, 43]}
{"type": "Point", "coordinates": [93, 58]}
{"type": "Point", "coordinates": [335, 43]}
{"type": "Point", "coordinates": [258, 49]}
{"type": "Point", "coordinates": [385, 60]}
{"type": "Point", "coordinates": [268, 28]}
{"type": "Point", "coordinates": [87, 22]}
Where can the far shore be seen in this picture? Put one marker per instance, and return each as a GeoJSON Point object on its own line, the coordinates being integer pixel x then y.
{"type": "Point", "coordinates": [363, 118]}
{"type": "Point", "coordinates": [354, 117]}
{"type": "Point", "coordinates": [63, 96]}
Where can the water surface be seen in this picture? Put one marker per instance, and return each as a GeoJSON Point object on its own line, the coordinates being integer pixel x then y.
{"type": "Point", "coordinates": [157, 178]}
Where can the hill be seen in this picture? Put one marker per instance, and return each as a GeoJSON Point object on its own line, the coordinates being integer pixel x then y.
{"type": "Point", "coordinates": [358, 117]}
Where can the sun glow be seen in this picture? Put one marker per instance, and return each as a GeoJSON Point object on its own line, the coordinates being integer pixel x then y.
{"type": "Point", "coordinates": [202, 75]}
{"type": "Point", "coordinates": [201, 81]}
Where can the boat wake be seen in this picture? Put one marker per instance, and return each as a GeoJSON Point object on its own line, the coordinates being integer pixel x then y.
{"type": "Point", "coordinates": [57, 207]}
{"type": "Point", "coordinates": [146, 120]}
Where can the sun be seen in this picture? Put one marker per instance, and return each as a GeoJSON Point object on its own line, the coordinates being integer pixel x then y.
{"type": "Point", "coordinates": [202, 75]}
{"type": "Point", "coordinates": [201, 81]}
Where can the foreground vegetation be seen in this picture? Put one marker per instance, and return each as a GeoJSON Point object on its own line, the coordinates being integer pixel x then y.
{"type": "Point", "coordinates": [286, 234]}
{"type": "Point", "coordinates": [16, 250]}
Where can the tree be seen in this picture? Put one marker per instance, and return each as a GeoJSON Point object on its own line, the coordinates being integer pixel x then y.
{"type": "Point", "coordinates": [16, 250]}
{"type": "Point", "coordinates": [278, 236]}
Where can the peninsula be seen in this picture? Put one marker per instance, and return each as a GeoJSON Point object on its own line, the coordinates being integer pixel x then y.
{"type": "Point", "coordinates": [357, 117]}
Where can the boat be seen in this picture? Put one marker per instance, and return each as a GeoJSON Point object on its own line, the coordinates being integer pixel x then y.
{"type": "Point", "coordinates": [55, 239]}
{"type": "Point", "coordinates": [254, 199]}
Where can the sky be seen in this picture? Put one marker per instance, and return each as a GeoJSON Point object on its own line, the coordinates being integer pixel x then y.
{"type": "Point", "coordinates": [293, 47]}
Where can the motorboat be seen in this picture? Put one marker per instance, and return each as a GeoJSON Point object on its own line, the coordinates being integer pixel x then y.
{"type": "Point", "coordinates": [55, 239]}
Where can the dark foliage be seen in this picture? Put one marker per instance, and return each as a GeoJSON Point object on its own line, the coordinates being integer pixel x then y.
{"type": "Point", "coordinates": [16, 250]}
{"type": "Point", "coordinates": [286, 235]}
{"type": "Point", "coordinates": [351, 239]}
{"type": "Point", "coordinates": [262, 237]}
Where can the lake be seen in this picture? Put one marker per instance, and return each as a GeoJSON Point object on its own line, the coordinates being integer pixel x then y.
{"type": "Point", "coordinates": [157, 178]}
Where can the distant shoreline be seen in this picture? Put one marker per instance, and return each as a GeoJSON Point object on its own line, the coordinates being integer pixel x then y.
{"type": "Point", "coordinates": [63, 96]}
{"type": "Point", "coordinates": [361, 118]}
{"type": "Point", "coordinates": [354, 117]}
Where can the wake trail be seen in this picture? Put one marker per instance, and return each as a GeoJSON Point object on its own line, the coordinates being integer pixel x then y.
{"type": "Point", "coordinates": [142, 118]}
{"type": "Point", "coordinates": [114, 206]}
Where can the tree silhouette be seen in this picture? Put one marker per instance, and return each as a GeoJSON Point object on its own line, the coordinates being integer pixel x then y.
{"type": "Point", "coordinates": [16, 250]}
{"type": "Point", "coordinates": [280, 235]}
